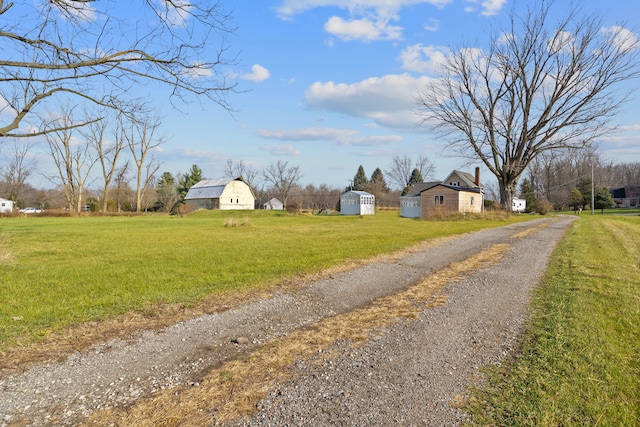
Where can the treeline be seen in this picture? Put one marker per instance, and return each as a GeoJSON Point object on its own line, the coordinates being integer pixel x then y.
{"type": "Point", "coordinates": [563, 180]}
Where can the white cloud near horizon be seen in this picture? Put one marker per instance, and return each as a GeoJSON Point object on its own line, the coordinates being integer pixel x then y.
{"type": "Point", "coordinates": [258, 74]}
{"type": "Point", "coordinates": [281, 150]}
{"type": "Point", "coordinates": [341, 136]}
{"type": "Point", "coordinates": [389, 100]}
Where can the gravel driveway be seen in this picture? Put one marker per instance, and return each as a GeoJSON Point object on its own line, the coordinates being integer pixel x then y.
{"type": "Point", "coordinates": [413, 371]}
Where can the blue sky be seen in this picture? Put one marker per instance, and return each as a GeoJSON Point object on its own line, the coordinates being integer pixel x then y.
{"type": "Point", "coordinates": [329, 87]}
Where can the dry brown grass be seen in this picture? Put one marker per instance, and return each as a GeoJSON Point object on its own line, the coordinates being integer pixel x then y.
{"type": "Point", "coordinates": [531, 230]}
{"type": "Point", "coordinates": [232, 390]}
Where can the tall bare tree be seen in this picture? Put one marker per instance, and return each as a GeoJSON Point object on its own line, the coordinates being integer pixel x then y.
{"type": "Point", "coordinates": [140, 136]}
{"type": "Point", "coordinates": [18, 168]}
{"type": "Point", "coordinates": [401, 168]}
{"type": "Point", "coordinates": [107, 153]}
{"type": "Point", "coordinates": [95, 53]}
{"type": "Point", "coordinates": [72, 158]}
{"type": "Point", "coordinates": [283, 179]}
{"type": "Point", "coordinates": [235, 169]}
{"type": "Point", "coordinates": [542, 85]}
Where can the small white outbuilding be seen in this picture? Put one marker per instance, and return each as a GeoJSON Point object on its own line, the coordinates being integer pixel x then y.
{"type": "Point", "coordinates": [518, 205]}
{"type": "Point", "coordinates": [6, 206]}
{"type": "Point", "coordinates": [357, 203]}
{"type": "Point", "coordinates": [273, 204]}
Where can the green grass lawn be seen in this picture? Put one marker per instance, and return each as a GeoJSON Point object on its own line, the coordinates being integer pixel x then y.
{"type": "Point", "coordinates": [580, 359]}
{"type": "Point", "coordinates": [58, 272]}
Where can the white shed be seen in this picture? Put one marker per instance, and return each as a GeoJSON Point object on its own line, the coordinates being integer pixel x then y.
{"type": "Point", "coordinates": [224, 194]}
{"type": "Point", "coordinates": [518, 205]}
{"type": "Point", "coordinates": [273, 204]}
{"type": "Point", "coordinates": [6, 206]}
{"type": "Point", "coordinates": [357, 203]}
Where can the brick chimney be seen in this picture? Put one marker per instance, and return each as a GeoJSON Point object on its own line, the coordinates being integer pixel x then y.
{"type": "Point", "coordinates": [477, 176]}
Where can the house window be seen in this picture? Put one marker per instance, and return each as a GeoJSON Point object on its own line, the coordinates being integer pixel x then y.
{"type": "Point", "coordinates": [438, 200]}
{"type": "Point", "coordinates": [472, 200]}
{"type": "Point", "coordinates": [455, 184]}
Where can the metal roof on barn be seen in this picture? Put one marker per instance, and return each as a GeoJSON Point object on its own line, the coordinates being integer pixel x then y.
{"type": "Point", "coordinates": [209, 188]}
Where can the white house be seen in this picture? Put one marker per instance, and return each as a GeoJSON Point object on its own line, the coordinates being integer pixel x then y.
{"type": "Point", "coordinates": [357, 203]}
{"type": "Point", "coordinates": [273, 204]}
{"type": "Point", "coordinates": [224, 194]}
{"type": "Point", "coordinates": [6, 206]}
{"type": "Point", "coordinates": [518, 205]}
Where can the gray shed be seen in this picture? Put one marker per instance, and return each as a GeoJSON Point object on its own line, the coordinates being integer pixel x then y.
{"type": "Point", "coordinates": [357, 203]}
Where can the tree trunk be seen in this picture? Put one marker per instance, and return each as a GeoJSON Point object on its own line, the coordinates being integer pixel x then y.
{"type": "Point", "coordinates": [507, 192]}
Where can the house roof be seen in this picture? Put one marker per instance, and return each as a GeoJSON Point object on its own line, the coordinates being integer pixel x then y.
{"type": "Point", "coordinates": [459, 188]}
{"type": "Point", "coordinates": [469, 179]}
{"type": "Point", "coordinates": [419, 187]}
{"type": "Point", "coordinates": [357, 192]}
{"type": "Point", "coordinates": [209, 188]}
{"type": "Point", "coordinates": [628, 192]}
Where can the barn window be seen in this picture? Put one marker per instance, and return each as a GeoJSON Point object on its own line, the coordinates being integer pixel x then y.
{"type": "Point", "coordinates": [438, 200]}
{"type": "Point", "coordinates": [231, 201]}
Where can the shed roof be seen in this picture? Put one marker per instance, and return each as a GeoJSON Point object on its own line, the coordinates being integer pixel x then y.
{"type": "Point", "coordinates": [209, 188]}
{"type": "Point", "coordinates": [357, 192]}
{"type": "Point", "coordinates": [419, 187]}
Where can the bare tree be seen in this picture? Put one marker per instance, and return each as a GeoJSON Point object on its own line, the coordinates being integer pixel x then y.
{"type": "Point", "coordinates": [239, 168]}
{"type": "Point", "coordinates": [141, 139]}
{"type": "Point", "coordinates": [107, 153]}
{"type": "Point", "coordinates": [121, 185]}
{"type": "Point", "coordinates": [283, 179]}
{"type": "Point", "coordinates": [401, 168]}
{"type": "Point", "coordinates": [94, 53]}
{"type": "Point", "coordinates": [18, 168]}
{"type": "Point", "coordinates": [542, 85]}
{"type": "Point", "coordinates": [72, 158]}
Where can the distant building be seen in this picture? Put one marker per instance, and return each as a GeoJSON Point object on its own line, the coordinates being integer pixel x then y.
{"type": "Point", "coordinates": [273, 204]}
{"type": "Point", "coordinates": [518, 205]}
{"type": "Point", "coordinates": [357, 203]}
{"type": "Point", "coordinates": [223, 194]}
{"type": "Point", "coordinates": [459, 192]}
{"type": "Point", "coordinates": [6, 206]}
{"type": "Point", "coordinates": [626, 197]}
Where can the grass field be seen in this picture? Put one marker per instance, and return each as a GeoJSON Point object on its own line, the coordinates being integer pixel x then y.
{"type": "Point", "coordinates": [58, 272]}
{"type": "Point", "coordinates": [580, 359]}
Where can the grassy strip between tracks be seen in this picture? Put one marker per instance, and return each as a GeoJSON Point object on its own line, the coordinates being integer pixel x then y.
{"type": "Point", "coordinates": [579, 362]}
{"type": "Point", "coordinates": [61, 272]}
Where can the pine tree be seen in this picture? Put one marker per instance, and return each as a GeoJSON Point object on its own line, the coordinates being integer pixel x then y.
{"type": "Point", "coordinates": [188, 180]}
{"type": "Point", "coordinates": [416, 177]}
{"type": "Point", "coordinates": [360, 180]}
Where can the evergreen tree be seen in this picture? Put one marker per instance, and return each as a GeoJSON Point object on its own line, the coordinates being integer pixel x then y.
{"type": "Point", "coordinates": [416, 177]}
{"type": "Point", "coordinates": [167, 192]}
{"type": "Point", "coordinates": [377, 184]}
{"type": "Point", "coordinates": [603, 200]}
{"type": "Point", "coordinates": [360, 180]}
{"type": "Point", "coordinates": [576, 199]}
{"type": "Point", "coordinates": [527, 193]}
{"type": "Point", "coordinates": [188, 180]}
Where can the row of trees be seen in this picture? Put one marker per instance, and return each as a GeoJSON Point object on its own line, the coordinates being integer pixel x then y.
{"type": "Point", "coordinates": [565, 180]}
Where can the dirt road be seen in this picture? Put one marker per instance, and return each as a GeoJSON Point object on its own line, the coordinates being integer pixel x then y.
{"type": "Point", "coordinates": [393, 342]}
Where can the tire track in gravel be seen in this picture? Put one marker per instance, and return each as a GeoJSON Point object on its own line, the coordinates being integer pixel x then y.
{"type": "Point", "coordinates": [168, 362]}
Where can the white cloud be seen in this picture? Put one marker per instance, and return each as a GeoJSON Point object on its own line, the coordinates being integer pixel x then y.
{"type": "Point", "coordinates": [622, 38]}
{"type": "Point", "coordinates": [346, 137]}
{"type": "Point", "coordinates": [422, 58]}
{"type": "Point", "coordinates": [368, 19]}
{"type": "Point", "coordinates": [258, 74]}
{"type": "Point", "coordinates": [81, 11]}
{"type": "Point", "coordinates": [197, 70]}
{"type": "Point", "coordinates": [432, 25]}
{"type": "Point", "coordinates": [388, 100]}
{"type": "Point", "coordinates": [362, 29]}
{"type": "Point", "coordinates": [489, 7]}
{"type": "Point", "coordinates": [282, 150]}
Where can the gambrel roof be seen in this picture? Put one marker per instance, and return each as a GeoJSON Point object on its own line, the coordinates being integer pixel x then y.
{"type": "Point", "coordinates": [210, 188]}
